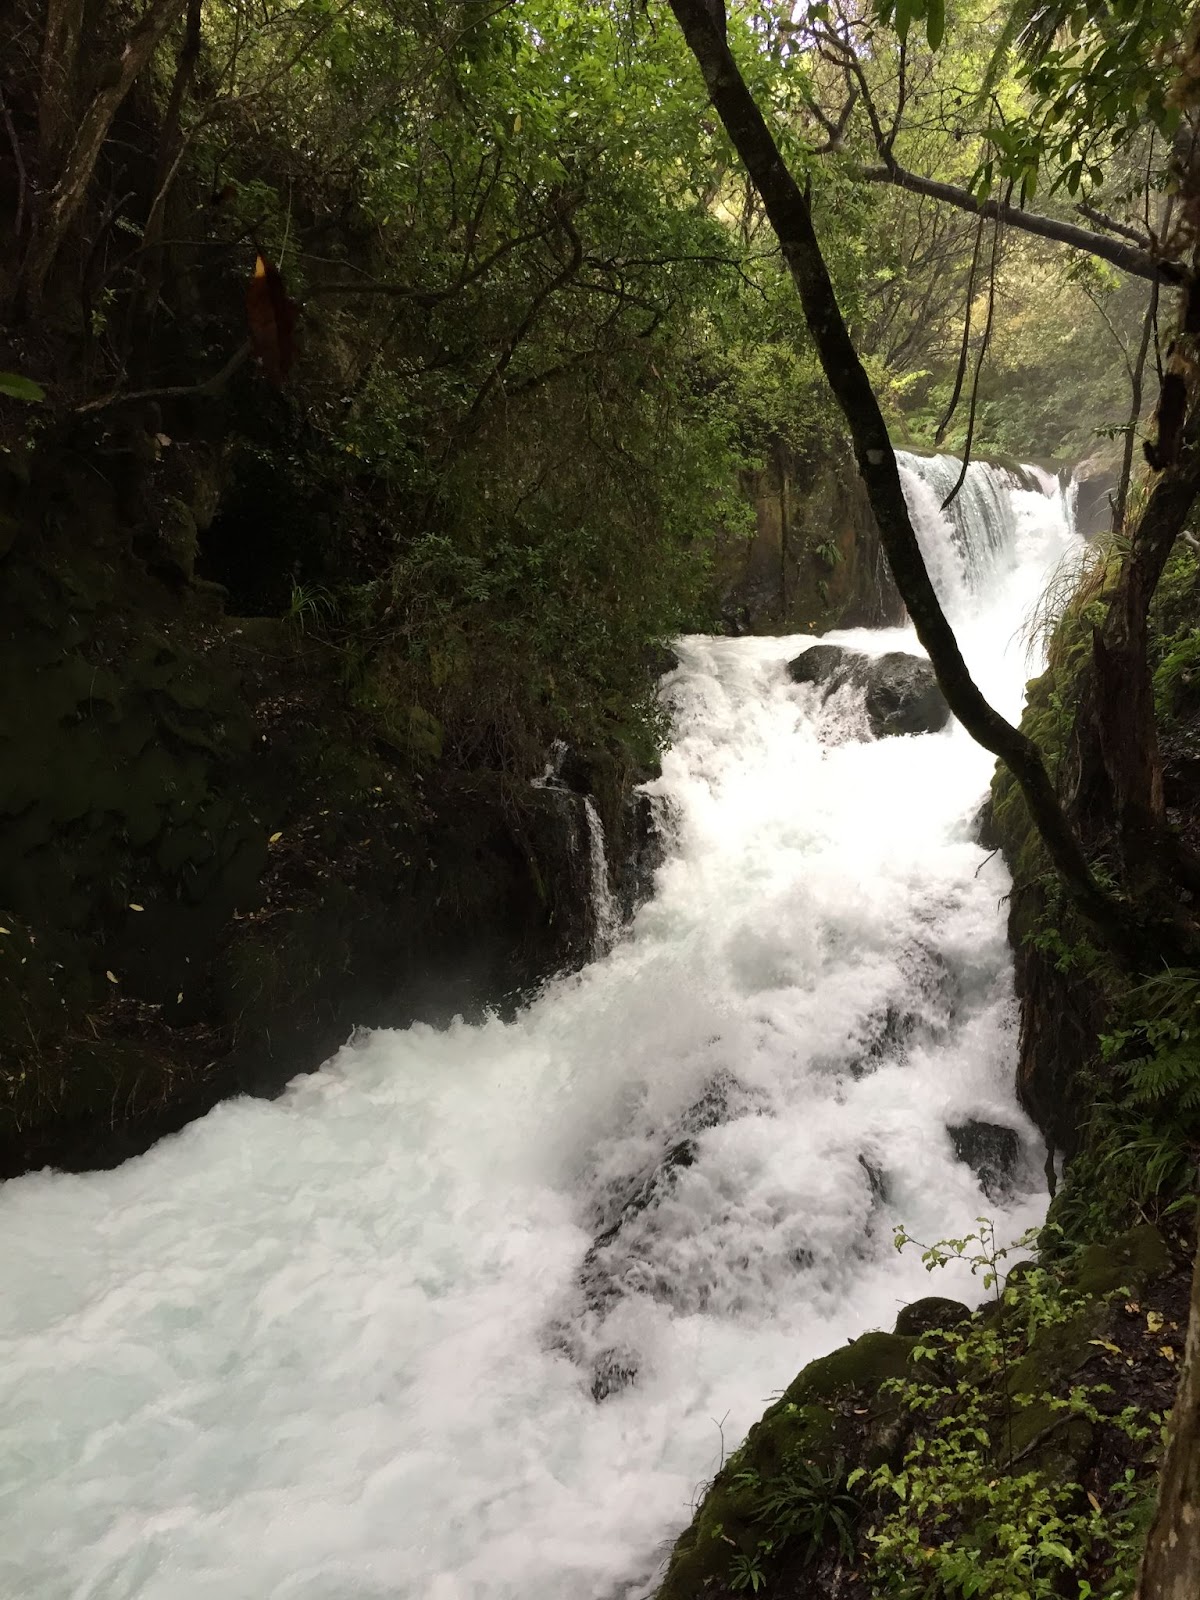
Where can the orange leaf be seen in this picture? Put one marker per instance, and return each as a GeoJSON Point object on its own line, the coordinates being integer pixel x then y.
{"type": "Point", "coordinates": [271, 317]}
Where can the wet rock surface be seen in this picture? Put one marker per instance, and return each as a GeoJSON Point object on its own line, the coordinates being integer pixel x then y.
{"type": "Point", "coordinates": [992, 1152]}
{"type": "Point", "coordinates": [901, 693]}
{"type": "Point", "coordinates": [924, 1003]}
{"type": "Point", "coordinates": [813, 559]}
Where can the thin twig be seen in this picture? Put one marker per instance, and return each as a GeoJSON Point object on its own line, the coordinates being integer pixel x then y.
{"type": "Point", "coordinates": [21, 179]}
{"type": "Point", "coordinates": [982, 356]}
{"type": "Point", "coordinates": [173, 391]}
{"type": "Point", "coordinates": [965, 348]}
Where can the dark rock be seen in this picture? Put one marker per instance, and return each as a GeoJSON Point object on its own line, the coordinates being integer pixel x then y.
{"type": "Point", "coordinates": [1095, 481]}
{"type": "Point", "coordinates": [613, 1371]}
{"type": "Point", "coordinates": [984, 830]}
{"type": "Point", "coordinates": [933, 1314]}
{"type": "Point", "coordinates": [992, 1152]}
{"type": "Point", "coordinates": [660, 659]}
{"type": "Point", "coordinates": [903, 696]}
{"type": "Point", "coordinates": [901, 693]}
{"type": "Point", "coordinates": [641, 850]}
{"type": "Point", "coordinates": [877, 1179]}
{"type": "Point", "coordinates": [829, 664]}
{"type": "Point", "coordinates": [813, 560]}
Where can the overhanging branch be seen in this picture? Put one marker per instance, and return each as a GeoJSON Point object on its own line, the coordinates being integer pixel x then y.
{"type": "Point", "coordinates": [791, 219]}
{"type": "Point", "coordinates": [1127, 257]}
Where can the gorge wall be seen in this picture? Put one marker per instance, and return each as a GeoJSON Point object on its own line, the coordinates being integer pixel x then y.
{"type": "Point", "coordinates": [218, 852]}
{"type": "Point", "coordinates": [813, 560]}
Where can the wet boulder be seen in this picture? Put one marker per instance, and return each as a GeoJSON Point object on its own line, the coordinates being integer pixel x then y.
{"type": "Point", "coordinates": [901, 693]}
{"type": "Point", "coordinates": [992, 1152]}
{"type": "Point", "coordinates": [933, 1314]}
{"type": "Point", "coordinates": [876, 1179]}
{"type": "Point", "coordinates": [826, 664]}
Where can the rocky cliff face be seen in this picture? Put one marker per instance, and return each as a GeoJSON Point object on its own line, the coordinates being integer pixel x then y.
{"type": "Point", "coordinates": [814, 560]}
{"type": "Point", "coordinates": [215, 857]}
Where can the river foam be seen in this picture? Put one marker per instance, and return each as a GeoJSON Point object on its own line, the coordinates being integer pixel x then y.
{"type": "Point", "coordinates": [345, 1345]}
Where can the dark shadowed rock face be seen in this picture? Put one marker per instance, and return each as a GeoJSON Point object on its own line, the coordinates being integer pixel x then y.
{"type": "Point", "coordinates": [991, 1151]}
{"type": "Point", "coordinates": [901, 691]}
{"type": "Point", "coordinates": [813, 559]}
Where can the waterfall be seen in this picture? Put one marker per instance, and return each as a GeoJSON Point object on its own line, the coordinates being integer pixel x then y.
{"type": "Point", "coordinates": [587, 832]}
{"type": "Point", "coordinates": [452, 1319]}
{"type": "Point", "coordinates": [981, 516]}
{"type": "Point", "coordinates": [606, 913]}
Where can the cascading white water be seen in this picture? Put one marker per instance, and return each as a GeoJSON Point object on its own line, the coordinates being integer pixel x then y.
{"type": "Point", "coordinates": [606, 913]}
{"type": "Point", "coordinates": [347, 1344]}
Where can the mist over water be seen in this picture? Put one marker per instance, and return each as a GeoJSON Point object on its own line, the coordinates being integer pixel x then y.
{"type": "Point", "coordinates": [346, 1344]}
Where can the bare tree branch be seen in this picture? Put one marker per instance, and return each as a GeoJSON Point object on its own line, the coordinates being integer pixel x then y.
{"type": "Point", "coordinates": [1129, 258]}
{"type": "Point", "coordinates": [173, 391]}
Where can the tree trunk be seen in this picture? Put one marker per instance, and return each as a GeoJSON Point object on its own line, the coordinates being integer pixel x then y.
{"type": "Point", "coordinates": [1125, 716]}
{"type": "Point", "coordinates": [56, 101]}
{"type": "Point", "coordinates": [69, 192]}
{"type": "Point", "coordinates": [1171, 1563]}
{"type": "Point", "coordinates": [1136, 379]}
{"type": "Point", "coordinates": [790, 217]}
{"type": "Point", "coordinates": [170, 147]}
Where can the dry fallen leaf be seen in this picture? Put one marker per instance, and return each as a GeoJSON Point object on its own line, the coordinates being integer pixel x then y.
{"type": "Point", "coordinates": [1094, 1502]}
{"type": "Point", "coordinates": [271, 318]}
{"type": "Point", "coordinates": [275, 837]}
{"type": "Point", "coordinates": [1154, 1321]}
{"type": "Point", "coordinates": [133, 906]}
{"type": "Point", "coordinates": [111, 976]}
{"type": "Point", "coordinates": [1167, 1353]}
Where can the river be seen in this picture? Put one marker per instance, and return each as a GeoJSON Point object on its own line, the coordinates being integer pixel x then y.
{"type": "Point", "coordinates": [346, 1345]}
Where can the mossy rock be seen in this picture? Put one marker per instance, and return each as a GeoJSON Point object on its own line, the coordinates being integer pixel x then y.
{"type": "Point", "coordinates": [812, 1421]}
{"type": "Point", "coordinates": [933, 1314]}
{"type": "Point", "coordinates": [863, 1364]}
{"type": "Point", "coordinates": [1057, 1353]}
{"type": "Point", "coordinates": [1130, 1261]}
{"type": "Point", "coordinates": [1043, 1440]}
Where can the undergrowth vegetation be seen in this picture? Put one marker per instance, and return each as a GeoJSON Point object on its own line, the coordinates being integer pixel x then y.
{"type": "Point", "coordinates": [984, 1502]}
{"type": "Point", "coordinates": [1004, 1454]}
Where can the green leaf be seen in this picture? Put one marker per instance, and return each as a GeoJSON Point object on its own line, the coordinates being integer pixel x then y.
{"type": "Point", "coordinates": [935, 23]}
{"type": "Point", "coordinates": [19, 388]}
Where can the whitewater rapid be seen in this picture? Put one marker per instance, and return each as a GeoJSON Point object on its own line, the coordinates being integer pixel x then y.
{"type": "Point", "coordinates": [345, 1345]}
